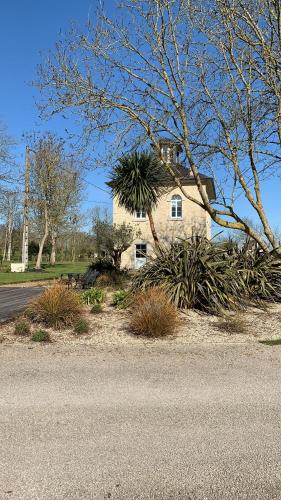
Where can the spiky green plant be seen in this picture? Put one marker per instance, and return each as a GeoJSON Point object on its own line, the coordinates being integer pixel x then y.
{"type": "Point", "coordinates": [135, 183]}
{"type": "Point", "coordinates": [195, 274]}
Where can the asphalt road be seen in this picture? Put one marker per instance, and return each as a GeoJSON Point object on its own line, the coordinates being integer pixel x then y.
{"type": "Point", "coordinates": [202, 422]}
{"type": "Point", "coordinates": [13, 300]}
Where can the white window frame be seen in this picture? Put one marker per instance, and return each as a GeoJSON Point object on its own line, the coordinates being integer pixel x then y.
{"type": "Point", "coordinates": [144, 257]}
{"type": "Point", "coordinates": [176, 202]}
{"type": "Point", "coordinates": [141, 216]}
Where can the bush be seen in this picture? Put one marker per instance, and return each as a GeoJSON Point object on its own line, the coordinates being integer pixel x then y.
{"type": "Point", "coordinates": [40, 336]}
{"type": "Point", "coordinates": [102, 265]}
{"type": "Point", "coordinates": [22, 327]}
{"type": "Point", "coordinates": [92, 296]}
{"type": "Point", "coordinates": [81, 326]}
{"type": "Point", "coordinates": [57, 307]}
{"type": "Point", "coordinates": [152, 314]}
{"type": "Point", "coordinates": [120, 299]}
{"type": "Point", "coordinates": [195, 274]}
{"type": "Point", "coordinates": [112, 278]}
{"type": "Point", "coordinates": [104, 279]}
{"type": "Point", "coordinates": [96, 309]}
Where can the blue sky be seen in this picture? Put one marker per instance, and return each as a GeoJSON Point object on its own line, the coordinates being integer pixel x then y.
{"type": "Point", "coordinates": [28, 27]}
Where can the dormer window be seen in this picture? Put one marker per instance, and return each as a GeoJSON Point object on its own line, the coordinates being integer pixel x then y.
{"type": "Point", "coordinates": [141, 214]}
{"type": "Point", "coordinates": [170, 151]}
{"type": "Point", "coordinates": [176, 207]}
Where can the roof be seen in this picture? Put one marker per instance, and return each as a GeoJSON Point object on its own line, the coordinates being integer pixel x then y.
{"type": "Point", "coordinates": [186, 178]}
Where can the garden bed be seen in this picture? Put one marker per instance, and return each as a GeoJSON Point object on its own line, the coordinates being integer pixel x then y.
{"type": "Point", "coordinates": [111, 328]}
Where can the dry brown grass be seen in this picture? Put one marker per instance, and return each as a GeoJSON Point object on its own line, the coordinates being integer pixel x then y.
{"type": "Point", "coordinates": [152, 314]}
{"type": "Point", "coordinates": [232, 324]}
{"type": "Point", "coordinates": [57, 307]}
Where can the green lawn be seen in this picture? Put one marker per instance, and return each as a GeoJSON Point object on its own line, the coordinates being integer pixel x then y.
{"type": "Point", "coordinates": [51, 272]}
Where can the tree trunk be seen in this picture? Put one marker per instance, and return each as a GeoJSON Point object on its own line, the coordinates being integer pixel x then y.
{"type": "Point", "coordinates": [43, 241]}
{"type": "Point", "coordinates": [5, 245]}
{"type": "Point", "coordinates": [53, 249]}
{"type": "Point", "coordinates": [116, 255]}
{"type": "Point", "coordinates": [73, 250]}
{"type": "Point", "coordinates": [9, 250]}
{"type": "Point", "coordinates": [152, 227]}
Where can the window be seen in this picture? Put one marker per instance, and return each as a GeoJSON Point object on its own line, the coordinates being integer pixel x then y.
{"type": "Point", "coordinates": [168, 153]}
{"type": "Point", "coordinates": [176, 207]}
{"type": "Point", "coordinates": [140, 256]}
{"type": "Point", "coordinates": [140, 214]}
{"type": "Point", "coordinates": [141, 251]}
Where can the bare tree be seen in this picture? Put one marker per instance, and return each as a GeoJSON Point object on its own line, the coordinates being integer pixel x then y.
{"type": "Point", "coordinates": [54, 188]}
{"type": "Point", "coordinates": [6, 158]}
{"type": "Point", "coordinates": [205, 73]}
{"type": "Point", "coordinates": [9, 205]}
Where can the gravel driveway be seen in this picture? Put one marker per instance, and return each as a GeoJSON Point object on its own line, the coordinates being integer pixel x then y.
{"type": "Point", "coordinates": [196, 422]}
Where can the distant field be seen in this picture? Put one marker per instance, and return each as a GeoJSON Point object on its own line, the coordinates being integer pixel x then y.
{"type": "Point", "coordinates": [50, 272]}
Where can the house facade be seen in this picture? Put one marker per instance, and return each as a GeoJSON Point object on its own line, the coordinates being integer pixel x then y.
{"type": "Point", "coordinates": [174, 216]}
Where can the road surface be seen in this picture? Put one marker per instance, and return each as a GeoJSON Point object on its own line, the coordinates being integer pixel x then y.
{"type": "Point", "coordinates": [199, 422]}
{"type": "Point", "coordinates": [13, 300]}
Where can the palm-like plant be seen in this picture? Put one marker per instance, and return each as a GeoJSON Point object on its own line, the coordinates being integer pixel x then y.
{"type": "Point", "coordinates": [135, 181]}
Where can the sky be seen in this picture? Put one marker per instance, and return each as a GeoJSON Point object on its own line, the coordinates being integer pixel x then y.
{"type": "Point", "coordinates": [29, 28]}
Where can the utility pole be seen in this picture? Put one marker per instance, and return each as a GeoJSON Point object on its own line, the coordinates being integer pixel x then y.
{"type": "Point", "coordinates": [26, 210]}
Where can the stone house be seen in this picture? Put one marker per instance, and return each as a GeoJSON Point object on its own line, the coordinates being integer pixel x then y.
{"type": "Point", "coordinates": [174, 216]}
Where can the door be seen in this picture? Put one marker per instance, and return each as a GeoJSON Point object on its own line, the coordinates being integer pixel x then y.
{"type": "Point", "coordinates": [140, 255]}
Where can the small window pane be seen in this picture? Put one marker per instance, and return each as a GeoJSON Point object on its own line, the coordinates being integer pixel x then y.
{"type": "Point", "coordinates": [140, 214]}
{"type": "Point", "coordinates": [141, 251]}
{"type": "Point", "coordinates": [176, 211]}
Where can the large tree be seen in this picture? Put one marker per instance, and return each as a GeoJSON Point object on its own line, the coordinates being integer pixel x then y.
{"type": "Point", "coordinates": [205, 73]}
{"type": "Point", "coordinates": [54, 187]}
{"type": "Point", "coordinates": [135, 182]}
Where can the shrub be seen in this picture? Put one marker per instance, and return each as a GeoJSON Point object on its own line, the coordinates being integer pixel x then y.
{"type": "Point", "coordinates": [96, 309]}
{"type": "Point", "coordinates": [152, 314]}
{"type": "Point", "coordinates": [102, 265]}
{"type": "Point", "coordinates": [104, 279]}
{"type": "Point", "coordinates": [121, 299]}
{"type": "Point", "coordinates": [40, 336]}
{"type": "Point", "coordinates": [92, 296]}
{"type": "Point", "coordinates": [195, 274]}
{"type": "Point", "coordinates": [112, 278]}
{"type": "Point", "coordinates": [22, 327]}
{"type": "Point", "coordinates": [57, 307]}
{"type": "Point", "coordinates": [81, 326]}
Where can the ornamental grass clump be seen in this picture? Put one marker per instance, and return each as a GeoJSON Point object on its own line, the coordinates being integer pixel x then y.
{"type": "Point", "coordinates": [96, 309]}
{"type": "Point", "coordinates": [81, 326]}
{"type": "Point", "coordinates": [57, 307]}
{"type": "Point", "coordinates": [22, 327]}
{"type": "Point", "coordinates": [152, 314]}
{"type": "Point", "coordinates": [40, 336]}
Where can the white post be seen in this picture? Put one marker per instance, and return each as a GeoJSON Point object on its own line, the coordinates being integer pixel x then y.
{"type": "Point", "coordinates": [26, 211]}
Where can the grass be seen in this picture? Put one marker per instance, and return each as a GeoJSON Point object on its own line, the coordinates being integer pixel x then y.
{"type": "Point", "coordinates": [270, 342]}
{"type": "Point", "coordinates": [50, 272]}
